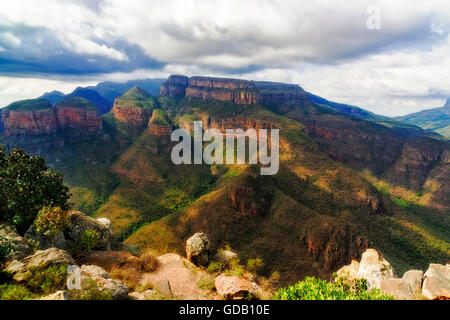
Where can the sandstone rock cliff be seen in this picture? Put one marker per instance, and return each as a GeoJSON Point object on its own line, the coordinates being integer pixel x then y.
{"type": "Point", "coordinates": [134, 107]}
{"type": "Point", "coordinates": [77, 118]}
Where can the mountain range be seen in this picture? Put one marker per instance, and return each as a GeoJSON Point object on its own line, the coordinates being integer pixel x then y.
{"type": "Point", "coordinates": [436, 119]}
{"type": "Point", "coordinates": [348, 179]}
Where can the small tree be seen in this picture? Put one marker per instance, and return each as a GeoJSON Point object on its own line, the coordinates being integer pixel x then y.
{"type": "Point", "coordinates": [27, 185]}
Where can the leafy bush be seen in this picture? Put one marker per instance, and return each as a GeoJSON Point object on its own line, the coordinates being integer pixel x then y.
{"type": "Point", "coordinates": [6, 247]}
{"type": "Point", "coordinates": [235, 269]}
{"type": "Point", "coordinates": [50, 221]}
{"type": "Point", "coordinates": [48, 280]}
{"type": "Point", "coordinates": [15, 292]}
{"type": "Point", "coordinates": [27, 185]}
{"type": "Point", "coordinates": [91, 291]}
{"type": "Point", "coordinates": [90, 238]}
{"type": "Point", "coordinates": [316, 289]}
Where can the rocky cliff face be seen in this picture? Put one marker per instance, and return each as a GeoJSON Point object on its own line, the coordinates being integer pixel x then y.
{"type": "Point", "coordinates": [29, 122]}
{"type": "Point", "coordinates": [136, 117]}
{"type": "Point", "coordinates": [175, 86]}
{"type": "Point", "coordinates": [285, 96]}
{"type": "Point", "coordinates": [134, 107]}
{"type": "Point", "coordinates": [159, 125]}
{"type": "Point", "coordinates": [233, 90]}
{"type": "Point", "coordinates": [77, 118]}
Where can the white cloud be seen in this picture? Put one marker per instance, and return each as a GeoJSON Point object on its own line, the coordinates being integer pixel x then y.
{"type": "Point", "coordinates": [323, 45]}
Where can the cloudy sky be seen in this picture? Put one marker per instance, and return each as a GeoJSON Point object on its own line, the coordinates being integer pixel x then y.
{"type": "Point", "coordinates": [397, 65]}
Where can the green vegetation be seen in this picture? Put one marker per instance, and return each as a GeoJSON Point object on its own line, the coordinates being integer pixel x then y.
{"type": "Point", "coordinates": [90, 238]}
{"type": "Point", "coordinates": [6, 247]}
{"type": "Point", "coordinates": [91, 291]}
{"type": "Point", "coordinates": [15, 292]}
{"type": "Point", "coordinates": [136, 98]}
{"type": "Point", "coordinates": [26, 186]}
{"type": "Point", "coordinates": [48, 280]}
{"type": "Point", "coordinates": [206, 282]}
{"type": "Point", "coordinates": [255, 265]}
{"type": "Point", "coordinates": [216, 266]}
{"type": "Point", "coordinates": [159, 117]}
{"type": "Point", "coordinates": [316, 289]}
{"type": "Point", "coordinates": [75, 102]}
{"type": "Point", "coordinates": [50, 221]}
{"type": "Point", "coordinates": [29, 105]}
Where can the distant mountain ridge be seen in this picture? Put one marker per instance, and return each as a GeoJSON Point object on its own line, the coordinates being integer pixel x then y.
{"type": "Point", "coordinates": [436, 119]}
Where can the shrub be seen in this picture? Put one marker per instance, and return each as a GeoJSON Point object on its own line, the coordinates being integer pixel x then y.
{"type": "Point", "coordinates": [206, 282]}
{"type": "Point", "coordinates": [144, 287]}
{"type": "Point", "coordinates": [6, 247]}
{"type": "Point", "coordinates": [90, 238]}
{"type": "Point", "coordinates": [148, 262]}
{"type": "Point", "coordinates": [235, 269]}
{"type": "Point", "coordinates": [50, 221]}
{"type": "Point", "coordinates": [316, 289]}
{"type": "Point", "coordinates": [15, 292]}
{"type": "Point", "coordinates": [48, 280]}
{"type": "Point", "coordinates": [91, 291]}
{"type": "Point", "coordinates": [255, 265]}
{"type": "Point", "coordinates": [27, 185]}
{"type": "Point", "coordinates": [216, 266]}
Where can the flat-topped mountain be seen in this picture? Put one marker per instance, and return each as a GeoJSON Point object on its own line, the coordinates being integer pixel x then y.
{"type": "Point", "coordinates": [29, 117]}
{"type": "Point", "coordinates": [436, 119]}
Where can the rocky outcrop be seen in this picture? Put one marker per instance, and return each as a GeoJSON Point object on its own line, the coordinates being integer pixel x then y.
{"type": "Point", "coordinates": [197, 249]}
{"type": "Point", "coordinates": [29, 122]}
{"type": "Point", "coordinates": [77, 118]}
{"type": "Point", "coordinates": [175, 86]}
{"type": "Point", "coordinates": [226, 257]}
{"type": "Point", "coordinates": [159, 125]}
{"type": "Point", "coordinates": [22, 269]}
{"type": "Point", "coordinates": [21, 246]}
{"type": "Point", "coordinates": [134, 107]}
{"type": "Point", "coordinates": [230, 90]}
{"type": "Point", "coordinates": [374, 266]}
{"type": "Point", "coordinates": [71, 235]}
{"type": "Point", "coordinates": [436, 283]}
{"type": "Point", "coordinates": [282, 97]}
{"type": "Point", "coordinates": [117, 289]}
{"type": "Point", "coordinates": [332, 243]}
{"type": "Point", "coordinates": [78, 223]}
{"type": "Point", "coordinates": [236, 288]}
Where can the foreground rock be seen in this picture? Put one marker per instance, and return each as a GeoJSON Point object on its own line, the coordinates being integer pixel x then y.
{"type": "Point", "coordinates": [117, 289]}
{"type": "Point", "coordinates": [197, 249]}
{"type": "Point", "coordinates": [72, 234]}
{"type": "Point", "coordinates": [374, 266]}
{"type": "Point", "coordinates": [21, 245]}
{"type": "Point", "coordinates": [22, 270]}
{"type": "Point", "coordinates": [78, 223]}
{"type": "Point", "coordinates": [236, 288]}
{"type": "Point", "coordinates": [436, 284]}
{"type": "Point", "coordinates": [226, 256]}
